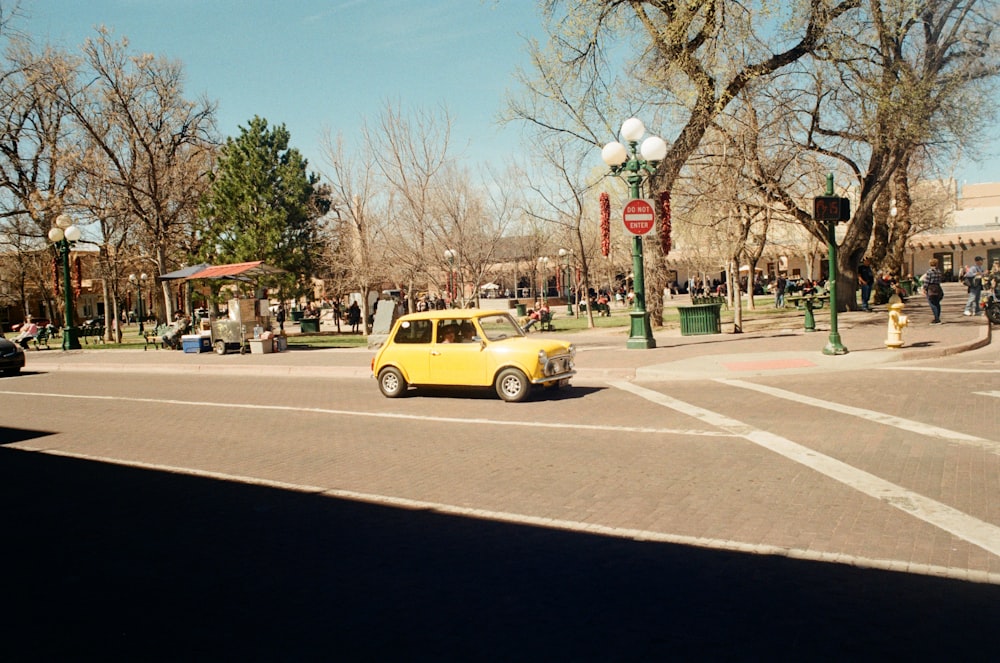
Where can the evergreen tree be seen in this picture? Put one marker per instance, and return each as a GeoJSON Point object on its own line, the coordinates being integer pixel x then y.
{"type": "Point", "coordinates": [262, 204]}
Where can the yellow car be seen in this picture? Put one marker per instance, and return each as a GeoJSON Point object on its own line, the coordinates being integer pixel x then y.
{"type": "Point", "coordinates": [469, 347]}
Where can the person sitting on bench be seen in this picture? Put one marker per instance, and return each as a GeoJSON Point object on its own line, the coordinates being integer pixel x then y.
{"type": "Point", "coordinates": [172, 339]}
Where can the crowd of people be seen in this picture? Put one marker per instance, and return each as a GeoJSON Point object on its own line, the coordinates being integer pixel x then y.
{"type": "Point", "coordinates": [976, 279]}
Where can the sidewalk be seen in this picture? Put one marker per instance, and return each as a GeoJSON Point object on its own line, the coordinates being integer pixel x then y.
{"type": "Point", "coordinates": [782, 347]}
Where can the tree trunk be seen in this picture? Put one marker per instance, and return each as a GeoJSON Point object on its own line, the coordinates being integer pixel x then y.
{"type": "Point", "coordinates": [900, 222]}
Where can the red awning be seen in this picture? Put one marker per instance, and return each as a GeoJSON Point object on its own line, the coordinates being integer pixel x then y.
{"type": "Point", "coordinates": [240, 270]}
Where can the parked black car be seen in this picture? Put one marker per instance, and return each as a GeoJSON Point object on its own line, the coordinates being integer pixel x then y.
{"type": "Point", "coordinates": [11, 357]}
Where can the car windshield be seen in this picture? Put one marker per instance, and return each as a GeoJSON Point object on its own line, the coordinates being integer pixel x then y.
{"type": "Point", "coordinates": [500, 326]}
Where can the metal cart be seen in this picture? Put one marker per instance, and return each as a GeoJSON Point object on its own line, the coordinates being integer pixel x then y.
{"type": "Point", "coordinates": [229, 336]}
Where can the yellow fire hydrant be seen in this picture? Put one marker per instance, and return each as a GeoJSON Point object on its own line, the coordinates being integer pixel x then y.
{"type": "Point", "coordinates": [896, 323]}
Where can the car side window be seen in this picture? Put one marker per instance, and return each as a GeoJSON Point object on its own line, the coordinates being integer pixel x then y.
{"type": "Point", "coordinates": [448, 331]}
{"type": "Point", "coordinates": [415, 331]}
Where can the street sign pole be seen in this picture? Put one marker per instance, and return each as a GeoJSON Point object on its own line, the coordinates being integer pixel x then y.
{"type": "Point", "coordinates": [832, 210]}
{"type": "Point", "coordinates": [640, 330]}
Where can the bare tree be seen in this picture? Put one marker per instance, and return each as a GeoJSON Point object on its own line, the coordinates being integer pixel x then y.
{"type": "Point", "coordinates": [888, 88]}
{"type": "Point", "coordinates": [562, 199]}
{"type": "Point", "coordinates": [412, 151]}
{"type": "Point", "coordinates": [357, 226]}
{"type": "Point", "coordinates": [147, 142]}
{"type": "Point", "coordinates": [37, 170]}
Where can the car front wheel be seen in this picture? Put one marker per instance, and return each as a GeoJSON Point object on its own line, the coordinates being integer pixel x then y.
{"type": "Point", "coordinates": [391, 382]}
{"type": "Point", "coordinates": [512, 385]}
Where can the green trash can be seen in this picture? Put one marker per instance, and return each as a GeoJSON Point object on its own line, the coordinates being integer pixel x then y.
{"type": "Point", "coordinates": [700, 319]}
{"type": "Point", "coordinates": [907, 286]}
{"type": "Point", "coordinates": [309, 325]}
{"type": "Point", "coordinates": [521, 310]}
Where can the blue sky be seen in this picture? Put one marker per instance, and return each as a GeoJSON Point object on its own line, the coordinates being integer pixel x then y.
{"type": "Point", "coordinates": [313, 64]}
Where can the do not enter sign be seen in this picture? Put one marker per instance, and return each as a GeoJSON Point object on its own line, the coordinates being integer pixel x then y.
{"type": "Point", "coordinates": [638, 216]}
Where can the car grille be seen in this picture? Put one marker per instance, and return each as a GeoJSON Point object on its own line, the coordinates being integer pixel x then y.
{"type": "Point", "coordinates": [557, 365]}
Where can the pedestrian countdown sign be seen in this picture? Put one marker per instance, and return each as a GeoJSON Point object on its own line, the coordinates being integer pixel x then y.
{"type": "Point", "coordinates": [638, 216]}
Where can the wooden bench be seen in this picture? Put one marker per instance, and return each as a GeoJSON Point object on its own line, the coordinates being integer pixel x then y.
{"type": "Point", "coordinates": [92, 331]}
{"type": "Point", "coordinates": [600, 309]}
{"type": "Point", "coordinates": [42, 338]}
{"type": "Point", "coordinates": [708, 299]}
{"type": "Point", "coordinates": [155, 337]}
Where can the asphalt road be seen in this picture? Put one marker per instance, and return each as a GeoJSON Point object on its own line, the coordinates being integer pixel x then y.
{"type": "Point", "coordinates": [849, 516]}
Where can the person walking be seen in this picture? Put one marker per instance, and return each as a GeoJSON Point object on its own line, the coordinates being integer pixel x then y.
{"type": "Point", "coordinates": [280, 316]}
{"type": "Point", "coordinates": [354, 316]}
{"type": "Point", "coordinates": [779, 291]}
{"type": "Point", "coordinates": [973, 280]}
{"type": "Point", "coordinates": [931, 283]}
{"type": "Point", "coordinates": [866, 279]}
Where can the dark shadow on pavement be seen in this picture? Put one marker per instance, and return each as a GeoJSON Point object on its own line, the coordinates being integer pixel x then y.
{"type": "Point", "coordinates": [104, 562]}
{"type": "Point", "coordinates": [538, 393]}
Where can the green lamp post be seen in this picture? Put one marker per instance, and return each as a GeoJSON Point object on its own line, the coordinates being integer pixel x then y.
{"type": "Point", "coordinates": [565, 255]}
{"type": "Point", "coordinates": [63, 236]}
{"type": "Point", "coordinates": [449, 256]}
{"type": "Point", "coordinates": [543, 277]}
{"type": "Point", "coordinates": [636, 162]}
{"type": "Point", "coordinates": [137, 281]}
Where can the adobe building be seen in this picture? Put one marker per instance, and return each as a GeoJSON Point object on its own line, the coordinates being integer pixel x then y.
{"type": "Point", "coordinates": [973, 230]}
{"type": "Point", "coordinates": [969, 225]}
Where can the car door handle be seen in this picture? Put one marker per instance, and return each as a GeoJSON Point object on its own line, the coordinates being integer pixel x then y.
{"type": "Point", "coordinates": [435, 353]}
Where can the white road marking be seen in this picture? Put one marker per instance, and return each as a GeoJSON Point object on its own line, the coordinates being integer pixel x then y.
{"type": "Point", "coordinates": [994, 394]}
{"type": "Point", "coordinates": [871, 415]}
{"type": "Point", "coordinates": [380, 415]}
{"type": "Point", "coordinates": [966, 527]}
{"type": "Point", "coordinates": [554, 523]}
{"type": "Point", "coordinates": [928, 369]}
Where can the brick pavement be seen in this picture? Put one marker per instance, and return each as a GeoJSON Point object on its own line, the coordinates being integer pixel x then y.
{"type": "Point", "coordinates": [796, 601]}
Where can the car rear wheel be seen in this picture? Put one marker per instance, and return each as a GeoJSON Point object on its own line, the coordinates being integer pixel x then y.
{"type": "Point", "coordinates": [391, 382]}
{"type": "Point", "coordinates": [512, 385]}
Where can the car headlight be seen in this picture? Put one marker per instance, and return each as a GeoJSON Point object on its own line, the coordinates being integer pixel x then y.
{"type": "Point", "coordinates": [542, 357]}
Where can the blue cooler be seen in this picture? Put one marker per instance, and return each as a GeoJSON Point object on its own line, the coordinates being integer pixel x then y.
{"type": "Point", "coordinates": [195, 343]}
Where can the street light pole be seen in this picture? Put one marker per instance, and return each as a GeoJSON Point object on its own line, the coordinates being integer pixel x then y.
{"type": "Point", "coordinates": [564, 254]}
{"type": "Point", "coordinates": [137, 281]}
{"type": "Point", "coordinates": [63, 235]}
{"type": "Point", "coordinates": [543, 273]}
{"type": "Point", "coordinates": [636, 161]}
{"type": "Point", "coordinates": [449, 255]}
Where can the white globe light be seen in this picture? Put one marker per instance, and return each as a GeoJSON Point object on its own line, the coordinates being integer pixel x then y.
{"type": "Point", "coordinates": [72, 234]}
{"type": "Point", "coordinates": [55, 235]}
{"type": "Point", "coordinates": [614, 154]}
{"type": "Point", "coordinates": [63, 221]}
{"type": "Point", "coordinates": [633, 129]}
{"type": "Point", "coordinates": [653, 148]}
